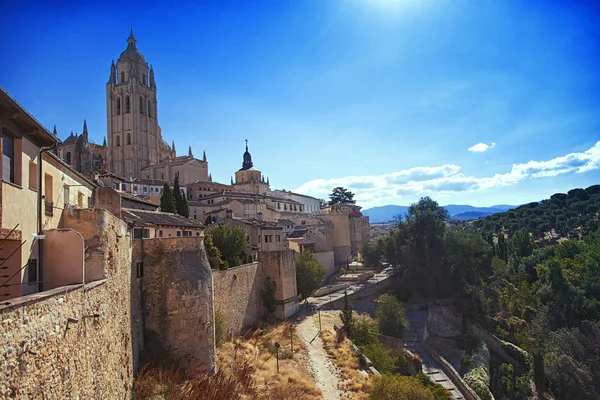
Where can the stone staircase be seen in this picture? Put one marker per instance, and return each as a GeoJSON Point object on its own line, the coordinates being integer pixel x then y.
{"type": "Point", "coordinates": [412, 341]}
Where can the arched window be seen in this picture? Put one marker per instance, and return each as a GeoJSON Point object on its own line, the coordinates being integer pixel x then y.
{"type": "Point", "coordinates": [68, 157]}
{"type": "Point", "coordinates": [141, 105]}
{"type": "Point", "coordinates": [118, 106]}
{"type": "Point", "coordinates": [127, 105]}
{"type": "Point", "coordinates": [117, 141]}
{"type": "Point", "coordinates": [149, 109]}
{"type": "Point", "coordinates": [144, 80]}
{"type": "Point", "coordinates": [128, 138]}
{"type": "Point", "coordinates": [122, 80]}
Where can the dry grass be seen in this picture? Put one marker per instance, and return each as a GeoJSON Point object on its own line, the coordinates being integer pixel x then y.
{"type": "Point", "coordinates": [356, 381]}
{"type": "Point", "coordinates": [294, 380]}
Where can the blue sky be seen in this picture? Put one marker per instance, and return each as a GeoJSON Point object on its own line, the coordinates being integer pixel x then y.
{"type": "Point", "coordinates": [385, 97]}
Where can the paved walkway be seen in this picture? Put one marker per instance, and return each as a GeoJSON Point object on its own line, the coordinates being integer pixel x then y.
{"type": "Point", "coordinates": [412, 341]}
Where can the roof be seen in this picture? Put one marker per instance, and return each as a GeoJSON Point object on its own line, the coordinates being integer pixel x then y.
{"type": "Point", "coordinates": [158, 218]}
{"type": "Point", "coordinates": [298, 233]}
{"type": "Point", "coordinates": [58, 160]}
{"type": "Point", "coordinates": [173, 162]}
{"type": "Point", "coordinates": [135, 198]}
{"type": "Point", "coordinates": [208, 183]}
{"type": "Point", "coordinates": [27, 122]}
{"type": "Point", "coordinates": [301, 240]}
{"type": "Point", "coordinates": [132, 53]}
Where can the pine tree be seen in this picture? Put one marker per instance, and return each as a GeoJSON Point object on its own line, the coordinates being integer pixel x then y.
{"type": "Point", "coordinates": [346, 315]}
{"type": "Point", "coordinates": [181, 204]}
{"type": "Point", "coordinates": [167, 203]}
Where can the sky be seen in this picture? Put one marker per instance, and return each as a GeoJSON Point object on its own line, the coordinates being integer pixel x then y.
{"type": "Point", "coordinates": [469, 102]}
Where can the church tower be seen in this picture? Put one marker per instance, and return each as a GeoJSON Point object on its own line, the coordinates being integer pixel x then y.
{"type": "Point", "coordinates": [131, 109]}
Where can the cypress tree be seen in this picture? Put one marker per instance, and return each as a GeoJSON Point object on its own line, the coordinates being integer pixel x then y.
{"type": "Point", "coordinates": [181, 203]}
{"type": "Point", "coordinates": [167, 203]}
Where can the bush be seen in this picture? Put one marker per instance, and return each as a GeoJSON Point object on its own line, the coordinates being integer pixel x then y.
{"type": "Point", "coordinates": [390, 316]}
{"type": "Point", "coordinates": [364, 332]}
{"type": "Point", "coordinates": [381, 357]}
{"type": "Point", "coordinates": [478, 378]}
{"type": "Point", "coordinates": [396, 387]}
{"type": "Point", "coordinates": [516, 352]}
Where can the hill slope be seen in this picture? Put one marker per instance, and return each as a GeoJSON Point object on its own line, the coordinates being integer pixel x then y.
{"type": "Point", "coordinates": [391, 212]}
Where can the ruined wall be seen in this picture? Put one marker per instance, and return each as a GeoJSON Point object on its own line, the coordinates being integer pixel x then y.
{"type": "Point", "coordinates": [280, 266]}
{"type": "Point", "coordinates": [93, 358]}
{"type": "Point", "coordinates": [177, 298]}
{"type": "Point", "coordinates": [237, 296]}
{"type": "Point", "coordinates": [328, 260]}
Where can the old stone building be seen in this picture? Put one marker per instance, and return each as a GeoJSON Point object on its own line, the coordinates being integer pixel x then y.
{"type": "Point", "coordinates": [249, 179]}
{"type": "Point", "coordinates": [81, 154]}
{"type": "Point", "coordinates": [134, 137]}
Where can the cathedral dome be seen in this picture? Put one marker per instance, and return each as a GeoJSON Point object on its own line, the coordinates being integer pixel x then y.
{"type": "Point", "coordinates": [131, 53]}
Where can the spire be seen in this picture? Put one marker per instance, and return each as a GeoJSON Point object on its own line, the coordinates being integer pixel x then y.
{"type": "Point", "coordinates": [210, 177]}
{"type": "Point", "coordinates": [190, 152]}
{"type": "Point", "coordinates": [173, 149]}
{"type": "Point", "coordinates": [232, 180]}
{"type": "Point", "coordinates": [85, 132]}
{"type": "Point", "coordinates": [247, 164]}
{"type": "Point", "coordinates": [131, 40]}
{"type": "Point", "coordinates": [152, 82]}
{"type": "Point", "coordinates": [104, 143]}
{"type": "Point", "coordinates": [204, 156]}
{"type": "Point", "coordinates": [113, 73]}
{"type": "Point", "coordinates": [54, 131]}
{"type": "Point", "coordinates": [268, 181]}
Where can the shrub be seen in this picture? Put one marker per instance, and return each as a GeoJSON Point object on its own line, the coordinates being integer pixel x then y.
{"type": "Point", "coordinates": [381, 357]}
{"type": "Point", "coordinates": [390, 316]}
{"type": "Point", "coordinates": [396, 387]}
{"type": "Point", "coordinates": [478, 378]}
{"type": "Point", "coordinates": [364, 331]}
{"type": "Point", "coordinates": [516, 352]}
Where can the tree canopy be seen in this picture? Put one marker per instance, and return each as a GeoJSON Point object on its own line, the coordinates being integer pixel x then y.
{"type": "Point", "coordinates": [309, 273]}
{"type": "Point", "coordinates": [167, 202]}
{"type": "Point", "coordinates": [232, 243]}
{"type": "Point", "coordinates": [181, 204]}
{"type": "Point", "coordinates": [341, 196]}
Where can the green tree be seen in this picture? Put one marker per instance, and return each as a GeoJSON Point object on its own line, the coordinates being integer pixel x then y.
{"type": "Point", "coordinates": [208, 220]}
{"type": "Point", "coordinates": [396, 387]}
{"type": "Point", "coordinates": [167, 203]}
{"type": "Point", "coordinates": [341, 196]}
{"type": "Point", "coordinates": [468, 257]}
{"type": "Point", "coordinates": [390, 316]}
{"type": "Point", "coordinates": [520, 246]}
{"type": "Point", "coordinates": [231, 242]}
{"type": "Point", "coordinates": [309, 273]}
{"type": "Point", "coordinates": [181, 203]}
{"type": "Point", "coordinates": [371, 255]}
{"type": "Point", "coordinates": [346, 315]}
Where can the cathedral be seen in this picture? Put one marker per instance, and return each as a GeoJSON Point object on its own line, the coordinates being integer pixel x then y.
{"type": "Point", "coordinates": [81, 154]}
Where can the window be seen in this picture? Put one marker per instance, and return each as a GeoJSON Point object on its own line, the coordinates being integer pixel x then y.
{"type": "Point", "coordinates": [127, 105]}
{"type": "Point", "coordinates": [117, 141]}
{"type": "Point", "coordinates": [68, 158]}
{"type": "Point", "coordinates": [160, 233]}
{"type": "Point", "coordinates": [185, 233]}
{"type": "Point", "coordinates": [178, 233]}
{"type": "Point", "coordinates": [145, 189]}
{"type": "Point", "coordinates": [134, 188]}
{"type": "Point", "coordinates": [33, 176]}
{"type": "Point", "coordinates": [144, 80]}
{"type": "Point", "coordinates": [32, 271]}
{"type": "Point", "coordinates": [139, 269]}
{"type": "Point", "coordinates": [8, 158]}
{"type": "Point", "coordinates": [149, 109]}
{"type": "Point", "coordinates": [128, 138]}
{"type": "Point", "coordinates": [278, 238]}
{"type": "Point", "coordinates": [162, 176]}
{"type": "Point", "coordinates": [118, 106]}
{"type": "Point", "coordinates": [122, 80]}
{"type": "Point", "coordinates": [268, 238]}
{"type": "Point", "coordinates": [48, 193]}
{"type": "Point", "coordinates": [115, 185]}
{"type": "Point", "coordinates": [141, 105]}
{"type": "Point", "coordinates": [197, 233]}
{"type": "Point", "coordinates": [141, 233]}
{"type": "Point", "coordinates": [123, 187]}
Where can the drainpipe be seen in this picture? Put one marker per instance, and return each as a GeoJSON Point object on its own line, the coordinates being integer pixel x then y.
{"type": "Point", "coordinates": [40, 244]}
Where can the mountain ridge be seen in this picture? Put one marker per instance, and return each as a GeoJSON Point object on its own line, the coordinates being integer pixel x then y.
{"type": "Point", "coordinates": [389, 212]}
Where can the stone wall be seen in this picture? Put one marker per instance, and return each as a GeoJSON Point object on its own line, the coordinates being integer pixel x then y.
{"type": "Point", "coordinates": [177, 299]}
{"type": "Point", "coordinates": [327, 259]}
{"type": "Point", "coordinates": [280, 266]}
{"type": "Point", "coordinates": [237, 296]}
{"type": "Point", "coordinates": [44, 356]}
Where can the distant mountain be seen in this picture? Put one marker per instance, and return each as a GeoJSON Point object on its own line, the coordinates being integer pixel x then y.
{"type": "Point", "coordinates": [391, 212]}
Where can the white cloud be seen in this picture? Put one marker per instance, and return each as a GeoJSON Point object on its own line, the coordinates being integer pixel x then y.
{"type": "Point", "coordinates": [481, 147]}
{"type": "Point", "coordinates": [447, 179]}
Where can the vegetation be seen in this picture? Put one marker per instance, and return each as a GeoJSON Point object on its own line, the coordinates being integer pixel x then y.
{"type": "Point", "coordinates": [342, 197]}
{"type": "Point", "coordinates": [390, 316]}
{"type": "Point", "coordinates": [478, 377]}
{"type": "Point", "coordinates": [167, 203]}
{"type": "Point", "coordinates": [220, 327]}
{"type": "Point", "coordinates": [513, 277]}
{"type": "Point", "coordinates": [231, 242]}
{"type": "Point", "coordinates": [371, 255]}
{"type": "Point", "coordinates": [397, 387]}
{"type": "Point", "coordinates": [214, 254]}
{"type": "Point", "coordinates": [267, 295]}
{"type": "Point", "coordinates": [181, 204]}
{"type": "Point", "coordinates": [346, 315]}
{"type": "Point", "coordinates": [309, 273]}
{"type": "Point", "coordinates": [572, 215]}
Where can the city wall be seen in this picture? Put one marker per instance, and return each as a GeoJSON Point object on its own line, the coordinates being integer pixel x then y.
{"type": "Point", "coordinates": [74, 341]}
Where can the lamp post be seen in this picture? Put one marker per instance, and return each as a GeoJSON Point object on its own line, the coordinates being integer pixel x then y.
{"type": "Point", "coordinates": [292, 339]}
{"type": "Point", "coordinates": [277, 354]}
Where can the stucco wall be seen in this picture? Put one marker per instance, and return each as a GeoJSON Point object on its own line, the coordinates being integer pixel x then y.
{"type": "Point", "coordinates": [63, 258]}
{"type": "Point", "coordinates": [94, 358]}
{"type": "Point", "coordinates": [237, 296]}
{"type": "Point", "coordinates": [177, 293]}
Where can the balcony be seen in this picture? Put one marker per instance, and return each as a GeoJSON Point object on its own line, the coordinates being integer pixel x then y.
{"type": "Point", "coordinates": [49, 208]}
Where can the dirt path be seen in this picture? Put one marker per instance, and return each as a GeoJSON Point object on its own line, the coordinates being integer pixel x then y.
{"type": "Point", "coordinates": [324, 371]}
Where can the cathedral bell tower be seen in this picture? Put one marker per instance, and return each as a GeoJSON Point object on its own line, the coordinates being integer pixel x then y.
{"type": "Point", "coordinates": [131, 109]}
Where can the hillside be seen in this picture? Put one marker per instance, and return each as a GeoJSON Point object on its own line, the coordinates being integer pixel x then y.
{"type": "Point", "coordinates": [391, 212]}
{"type": "Point", "coordinates": [569, 215]}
